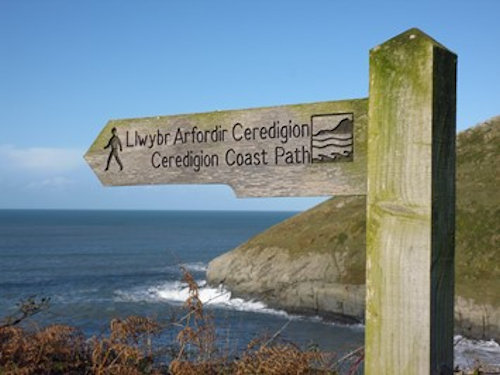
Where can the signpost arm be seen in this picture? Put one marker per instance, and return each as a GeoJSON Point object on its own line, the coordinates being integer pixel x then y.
{"type": "Point", "coordinates": [410, 207]}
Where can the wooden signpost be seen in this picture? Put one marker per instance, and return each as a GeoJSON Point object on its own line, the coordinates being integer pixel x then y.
{"type": "Point", "coordinates": [397, 148]}
{"type": "Point", "coordinates": [295, 150]}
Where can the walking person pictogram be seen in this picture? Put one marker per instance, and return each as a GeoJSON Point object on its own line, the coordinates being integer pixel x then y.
{"type": "Point", "coordinates": [115, 143]}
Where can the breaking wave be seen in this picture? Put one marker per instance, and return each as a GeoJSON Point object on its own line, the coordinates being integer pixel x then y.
{"type": "Point", "coordinates": [177, 292]}
{"type": "Point", "coordinates": [468, 353]}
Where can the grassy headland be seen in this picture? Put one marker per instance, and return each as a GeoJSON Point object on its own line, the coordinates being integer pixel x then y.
{"type": "Point", "coordinates": [335, 229]}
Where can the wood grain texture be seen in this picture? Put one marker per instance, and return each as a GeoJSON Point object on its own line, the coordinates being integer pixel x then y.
{"type": "Point", "coordinates": [345, 175]}
{"type": "Point", "coordinates": [410, 207]}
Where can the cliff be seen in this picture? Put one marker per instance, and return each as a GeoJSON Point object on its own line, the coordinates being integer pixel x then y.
{"type": "Point", "coordinates": [314, 262]}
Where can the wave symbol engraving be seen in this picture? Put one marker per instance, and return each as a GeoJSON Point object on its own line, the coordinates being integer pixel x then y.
{"type": "Point", "coordinates": [332, 137]}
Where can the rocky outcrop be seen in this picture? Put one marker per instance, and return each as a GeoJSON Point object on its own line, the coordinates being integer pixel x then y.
{"type": "Point", "coordinates": [308, 284]}
{"type": "Point", "coordinates": [314, 262]}
{"type": "Point", "coordinates": [477, 320]}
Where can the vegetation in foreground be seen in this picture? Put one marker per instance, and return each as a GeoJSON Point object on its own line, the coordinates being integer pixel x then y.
{"type": "Point", "coordinates": [129, 348]}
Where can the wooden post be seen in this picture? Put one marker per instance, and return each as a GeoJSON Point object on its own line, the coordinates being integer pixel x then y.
{"type": "Point", "coordinates": [410, 207]}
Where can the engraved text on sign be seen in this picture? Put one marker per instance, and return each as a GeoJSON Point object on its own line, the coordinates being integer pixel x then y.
{"type": "Point", "coordinates": [270, 147]}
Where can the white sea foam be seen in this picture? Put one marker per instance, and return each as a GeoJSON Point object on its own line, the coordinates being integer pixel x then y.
{"type": "Point", "coordinates": [178, 292]}
{"type": "Point", "coordinates": [470, 353]}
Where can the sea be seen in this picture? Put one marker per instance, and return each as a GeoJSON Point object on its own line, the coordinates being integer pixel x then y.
{"type": "Point", "coordinates": [97, 265]}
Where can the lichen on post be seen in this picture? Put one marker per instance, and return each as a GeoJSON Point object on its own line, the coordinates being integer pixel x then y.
{"type": "Point", "coordinates": [410, 207]}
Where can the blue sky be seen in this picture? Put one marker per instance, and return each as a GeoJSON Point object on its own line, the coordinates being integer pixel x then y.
{"type": "Point", "coordinates": [67, 67]}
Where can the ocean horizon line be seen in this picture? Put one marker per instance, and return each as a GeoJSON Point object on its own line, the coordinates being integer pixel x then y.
{"type": "Point", "coordinates": [143, 210]}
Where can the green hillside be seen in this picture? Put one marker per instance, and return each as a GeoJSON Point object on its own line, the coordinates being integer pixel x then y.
{"type": "Point", "coordinates": [338, 224]}
{"type": "Point", "coordinates": [478, 213]}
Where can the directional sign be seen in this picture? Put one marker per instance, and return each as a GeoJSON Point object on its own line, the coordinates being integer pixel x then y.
{"type": "Point", "coordinates": [404, 163]}
{"type": "Point", "coordinates": [296, 150]}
